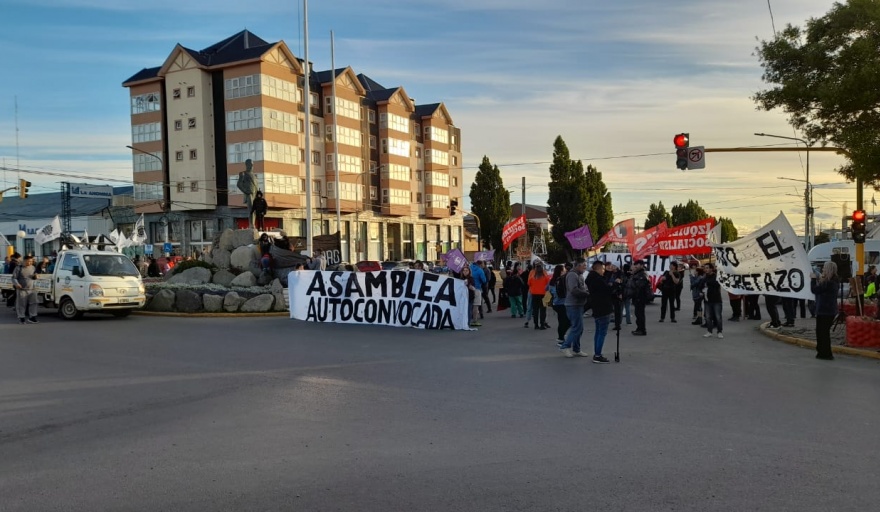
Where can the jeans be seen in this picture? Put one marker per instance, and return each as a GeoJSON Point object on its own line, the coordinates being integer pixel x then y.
{"type": "Point", "coordinates": [601, 331]}
{"type": "Point", "coordinates": [562, 320]}
{"type": "Point", "coordinates": [539, 312]}
{"type": "Point", "coordinates": [516, 306]}
{"type": "Point", "coordinates": [668, 298]}
{"type": "Point", "coordinates": [640, 316]}
{"type": "Point", "coordinates": [698, 307]}
{"type": "Point", "coordinates": [576, 319]}
{"type": "Point", "coordinates": [713, 310]}
{"type": "Point", "coordinates": [627, 303]}
{"type": "Point", "coordinates": [528, 300]}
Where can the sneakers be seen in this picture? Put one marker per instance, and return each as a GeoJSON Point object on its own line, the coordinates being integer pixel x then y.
{"type": "Point", "coordinates": [600, 360]}
{"type": "Point", "coordinates": [527, 325]}
{"type": "Point", "coordinates": [567, 352]}
{"type": "Point", "coordinates": [673, 321]}
{"type": "Point", "coordinates": [639, 333]}
{"type": "Point", "coordinates": [32, 320]}
{"type": "Point", "coordinates": [788, 324]}
{"type": "Point", "coordinates": [707, 335]}
{"type": "Point", "coordinates": [771, 326]}
{"type": "Point", "coordinates": [720, 336]}
{"type": "Point", "coordinates": [21, 321]}
{"type": "Point", "coordinates": [582, 354]}
{"type": "Point", "coordinates": [475, 324]}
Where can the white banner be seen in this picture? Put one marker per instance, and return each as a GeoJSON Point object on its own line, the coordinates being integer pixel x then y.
{"type": "Point", "coordinates": [400, 298]}
{"type": "Point", "coordinates": [655, 265]}
{"type": "Point", "coordinates": [771, 260]}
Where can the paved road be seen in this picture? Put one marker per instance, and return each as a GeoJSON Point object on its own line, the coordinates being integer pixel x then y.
{"type": "Point", "coordinates": [262, 414]}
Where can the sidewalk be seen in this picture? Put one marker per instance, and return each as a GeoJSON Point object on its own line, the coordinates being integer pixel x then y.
{"type": "Point", "coordinates": [803, 334]}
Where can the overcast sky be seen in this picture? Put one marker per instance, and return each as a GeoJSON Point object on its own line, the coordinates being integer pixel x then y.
{"type": "Point", "coordinates": [615, 80]}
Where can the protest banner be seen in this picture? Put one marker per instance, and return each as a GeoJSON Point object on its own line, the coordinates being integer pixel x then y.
{"type": "Point", "coordinates": [686, 239]}
{"type": "Point", "coordinates": [399, 298]}
{"type": "Point", "coordinates": [455, 260]}
{"type": "Point", "coordinates": [513, 230]}
{"type": "Point", "coordinates": [645, 243]}
{"type": "Point", "coordinates": [655, 265]}
{"type": "Point", "coordinates": [770, 260]}
{"type": "Point", "coordinates": [622, 233]}
{"type": "Point", "coordinates": [330, 244]}
{"type": "Point", "coordinates": [580, 238]}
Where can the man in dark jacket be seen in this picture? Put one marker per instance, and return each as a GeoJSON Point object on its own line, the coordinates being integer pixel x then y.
{"type": "Point", "coordinates": [603, 307]}
{"type": "Point", "coordinates": [713, 302]}
{"type": "Point", "coordinates": [514, 288]}
{"type": "Point", "coordinates": [260, 209]}
{"type": "Point", "coordinates": [639, 291]}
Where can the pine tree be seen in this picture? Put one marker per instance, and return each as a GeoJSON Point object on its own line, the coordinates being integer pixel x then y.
{"type": "Point", "coordinates": [490, 201]}
{"type": "Point", "coordinates": [568, 200]}
{"type": "Point", "coordinates": [690, 212]}
{"type": "Point", "coordinates": [657, 214]}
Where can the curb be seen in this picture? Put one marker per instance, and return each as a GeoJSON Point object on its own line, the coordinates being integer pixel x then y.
{"type": "Point", "coordinates": [212, 315]}
{"type": "Point", "coordinates": [801, 342]}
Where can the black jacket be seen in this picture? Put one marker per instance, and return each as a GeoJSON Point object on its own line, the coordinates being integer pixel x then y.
{"type": "Point", "coordinates": [600, 295]}
{"type": "Point", "coordinates": [713, 289]}
{"type": "Point", "coordinates": [639, 288]}
{"type": "Point", "coordinates": [260, 206]}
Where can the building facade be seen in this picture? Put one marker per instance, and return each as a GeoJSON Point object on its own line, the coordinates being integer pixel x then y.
{"type": "Point", "coordinates": [198, 117]}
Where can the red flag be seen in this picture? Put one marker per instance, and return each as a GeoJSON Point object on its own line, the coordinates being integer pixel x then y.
{"type": "Point", "coordinates": [622, 233]}
{"type": "Point", "coordinates": [686, 239]}
{"type": "Point", "coordinates": [645, 243]}
{"type": "Point", "coordinates": [513, 230]}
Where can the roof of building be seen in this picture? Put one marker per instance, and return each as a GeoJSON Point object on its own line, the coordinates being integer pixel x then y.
{"type": "Point", "coordinates": [427, 110]}
{"type": "Point", "coordinates": [517, 207]}
{"type": "Point", "coordinates": [47, 205]}
{"type": "Point", "coordinates": [370, 84]}
{"type": "Point", "coordinates": [323, 77]}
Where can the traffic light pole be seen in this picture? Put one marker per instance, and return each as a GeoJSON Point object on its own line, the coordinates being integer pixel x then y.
{"type": "Point", "coordinates": [860, 248]}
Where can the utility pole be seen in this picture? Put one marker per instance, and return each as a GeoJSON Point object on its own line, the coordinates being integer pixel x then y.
{"type": "Point", "coordinates": [307, 101]}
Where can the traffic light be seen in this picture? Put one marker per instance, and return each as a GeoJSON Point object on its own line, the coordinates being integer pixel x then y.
{"type": "Point", "coordinates": [681, 141]}
{"type": "Point", "coordinates": [858, 226]}
{"type": "Point", "coordinates": [452, 206]}
{"type": "Point", "coordinates": [23, 188]}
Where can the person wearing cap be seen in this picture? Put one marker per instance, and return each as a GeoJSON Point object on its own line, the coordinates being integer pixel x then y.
{"type": "Point", "coordinates": [601, 298]}
{"type": "Point", "coordinates": [639, 291]}
{"type": "Point", "coordinates": [575, 298]}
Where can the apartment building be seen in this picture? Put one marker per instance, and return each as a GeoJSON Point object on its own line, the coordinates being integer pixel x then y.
{"type": "Point", "coordinates": [196, 119]}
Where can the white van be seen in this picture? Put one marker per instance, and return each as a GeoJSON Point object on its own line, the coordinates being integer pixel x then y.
{"type": "Point", "coordinates": [89, 282]}
{"type": "Point", "coordinates": [847, 249]}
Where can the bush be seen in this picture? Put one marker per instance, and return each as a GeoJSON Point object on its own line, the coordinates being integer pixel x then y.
{"type": "Point", "coordinates": [188, 264]}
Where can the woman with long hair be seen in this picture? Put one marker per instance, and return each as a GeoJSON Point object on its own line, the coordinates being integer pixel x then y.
{"type": "Point", "coordinates": [538, 281]}
{"type": "Point", "coordinates": [559, 303]}
{"type": "Point", "coordinates": [825, 286]}
{"type": "Point", "coordinates": [472, 293]}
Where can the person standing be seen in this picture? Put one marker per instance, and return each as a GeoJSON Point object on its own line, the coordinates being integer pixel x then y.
{"type": "Point", "coordinates": [602, 302]}
{"type": "Point", "coordinates": [679, 287]}
{"type": "Point", "coordinates": [698, 281]}
{"type": "Point", "coordinates": [713, 302]}
{"type": "Point", "coordinates": [25, 294]}
{"type": "Point", "coordinates": [789, 309]}
{"type": "Point", "coordinates": [825, 287]}
{"type": "Point", "coordinates": [479, 278]}
{"type": "Point", "coordinates": [557, 291]}
{"type": "Point", "coordinates": [627, 301]}
{"type": "Point", "coordinates": [753, 307]}
{"type": "Point", "coordinates": [771, 302]}
{"type": "Point", "coordinates": [575, 297]}
{"type": "Point", "coordinates": [735, 306]}
{"type": "Point", "coordinates": [260, 208]}
{"type": "Point", "coordinates": [472, 294]}
{"type": "Point", "coordinates": [668, 284]}
{"type": "Point", "coordinates": [639, 291]}
{"type": "Point", "coordinates": [490, 286]}
{"type": "Point", "coordinates": [513, 286]}
{"type": "Point", "coordinates": [538, 282]}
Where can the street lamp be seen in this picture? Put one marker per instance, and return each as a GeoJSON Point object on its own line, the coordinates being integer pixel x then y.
{"type": "Point", "coordinates": [808, 196]}
{"type": "Point", "coordinates": [165, 192]}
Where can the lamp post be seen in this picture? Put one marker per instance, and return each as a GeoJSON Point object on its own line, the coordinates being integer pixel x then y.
{"type": "Point", "coordinates": [808, 196]}
{"type": "Point", "coordinates": [165, 193]}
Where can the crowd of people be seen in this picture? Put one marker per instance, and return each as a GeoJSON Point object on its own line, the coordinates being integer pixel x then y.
{"type": "Point", "coordinates": [612, 296]}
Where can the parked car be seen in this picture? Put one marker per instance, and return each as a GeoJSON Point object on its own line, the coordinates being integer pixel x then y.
{"type": "Point", "coordinates": [341, 266]}
{"type": "Point", "coordinates": [368, 266]}
{"type": "Point", "coordinates": [389, 265]}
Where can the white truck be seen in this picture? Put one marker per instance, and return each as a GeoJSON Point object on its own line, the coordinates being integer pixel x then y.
{"type": "Point", "coordinates": [821, 253]}
{"type": "Point", "coordinates": [89, 282]}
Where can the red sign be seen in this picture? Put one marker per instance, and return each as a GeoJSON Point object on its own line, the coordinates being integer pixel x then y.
{"type": "Point", "coordinates": [645, 243]}
{"type": "Point", "coordinates": [686, 239]}
{"type": "Point", "coordinates": [513, 230]}
{"type": "Point", "coordinates": [622, 233]}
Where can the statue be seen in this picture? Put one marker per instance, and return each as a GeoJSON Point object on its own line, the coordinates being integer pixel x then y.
{"type": "Point", "coordinates": [247, 183]}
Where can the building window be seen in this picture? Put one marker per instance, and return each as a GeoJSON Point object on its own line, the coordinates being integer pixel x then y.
{"type": "Point", "coordinates": [191, 92]}
{"type": "Point", "coordinates": [149, 102]}
{"type": "Point", "coordinates": [178, 155]}
{"type": "Point", "coordinates": [193, 154]}
{"type": "Point", "coordinates": [194, 186]}
{"type": "Point", "coordinates": [419, 153]}
{"type": "Point", "coordinates": [374, 193]}
{"type": "Point", "coordinates": [418, 175]}
{"type": "Point", "coordinates": [372, 142]}
{"type": "Point", "coordinates": [180, 187]}
{"type": "Point", "coordinates": [316, 130]}
{"type": "Point", "coordinates": [418, 197]}
{"type": "Point", "coordinates": [373, 167]}
{"type": "Point", "coordinates": [191, 122]}
{"type": "Point", "coordinates": [300, 125]}
{"type": "Point", "coordinates": [175, 94]}
{"type": "Point", "coordinates": [371, 116]}
{"type": "Point", "coordinates": [316, 186]}
{"type": "Point", "coordinates": [302, 155]}
{"type": "Point", "coordinates": [242, 86]}
{"type": "Point", "coordinates": [316, 157]}
{"type": "Point", "coordinates": [146, 191]}
{"type": "Point", "coordinates": [146, 132]}
{"type": "Point", "coordinates": [454, 182]}
{"type": "Point", "coordinates": [178, 125]}
{"type": "Point", "coordinates": [313, 99]}
{"type": "Point", "coordinates": [454, 160]}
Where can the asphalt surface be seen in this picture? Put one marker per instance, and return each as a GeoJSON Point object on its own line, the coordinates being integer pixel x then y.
{"type": "Point", "coordinates": [180, 414]}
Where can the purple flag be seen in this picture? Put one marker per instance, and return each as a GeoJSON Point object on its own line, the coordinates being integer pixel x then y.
{"type": "Point", "coordinates": [455, 260]}
{"type": "Point", "coordinates": [485, 255]}
{"type": "Point", "coordinates": [580, 238]}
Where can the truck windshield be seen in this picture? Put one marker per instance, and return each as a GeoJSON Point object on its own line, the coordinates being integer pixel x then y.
{"type": "Point", "coordinates": [110, 265]}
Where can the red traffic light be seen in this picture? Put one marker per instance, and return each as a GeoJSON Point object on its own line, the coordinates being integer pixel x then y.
{"type": "Point", "coordinates": [858, 216]}
{"type": "Point", "coordinates": [681, 140]}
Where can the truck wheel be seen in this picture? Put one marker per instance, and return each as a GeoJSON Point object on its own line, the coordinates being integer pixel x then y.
{"type": "Point", "coordinates": [122, 313]}
{"type": "Point", "coordinates": [68, 310]}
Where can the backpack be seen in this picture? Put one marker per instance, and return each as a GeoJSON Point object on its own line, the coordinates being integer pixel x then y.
{"type": "Point", "coordinates": [561, 290]}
